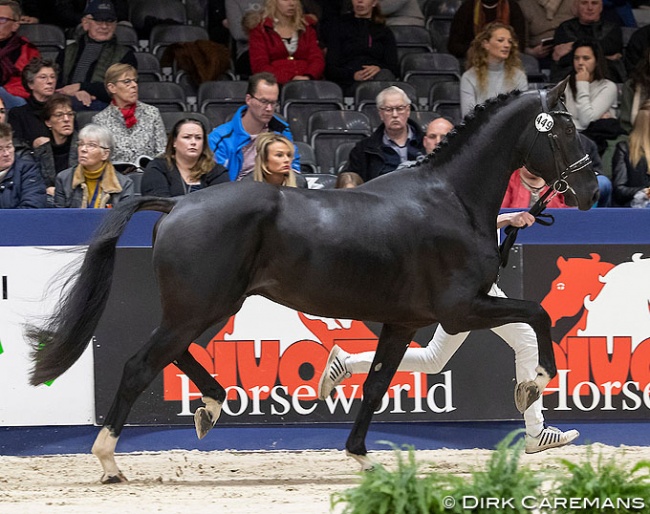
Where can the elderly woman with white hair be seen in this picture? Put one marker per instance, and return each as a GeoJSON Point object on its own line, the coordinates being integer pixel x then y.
{"type": "Point", "coordinates": [93, 183]}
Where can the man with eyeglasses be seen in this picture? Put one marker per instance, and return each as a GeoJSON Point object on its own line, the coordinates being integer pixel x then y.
{"type": "Point", "coordinates": [233, 142]}
{"type": "Point", "coordinates": [397, 139]}
{"type": "Point", "coordinates": [15, 52]}
{"type": "Point", "coordinates": [84, 62]}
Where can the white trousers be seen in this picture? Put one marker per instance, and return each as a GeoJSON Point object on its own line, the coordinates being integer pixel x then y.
{"type": "Point", "coordinates": [434, 357]}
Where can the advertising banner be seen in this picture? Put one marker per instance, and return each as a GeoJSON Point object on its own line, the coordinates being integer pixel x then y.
{"type": "Point", "coordinates": [270, 358]}
{"type": "Point", "coordinates": [26, 275]}
{"type": "Point", "coordinates": [598, 298]}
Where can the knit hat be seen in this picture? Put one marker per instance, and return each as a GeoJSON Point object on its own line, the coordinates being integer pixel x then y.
{"type": "Point", "coordinates": [101, 10]}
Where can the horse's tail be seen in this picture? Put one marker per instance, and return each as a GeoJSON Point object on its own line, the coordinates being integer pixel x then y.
{"type": "Point", "coordinates": [63, 337]}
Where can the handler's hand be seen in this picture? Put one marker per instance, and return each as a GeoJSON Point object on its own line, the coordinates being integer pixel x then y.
{"type": "Point", "coordinates": [515, 219]}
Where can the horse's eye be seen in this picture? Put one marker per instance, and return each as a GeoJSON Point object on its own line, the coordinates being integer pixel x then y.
{"type": "Point", "coordinates": [570, 130]}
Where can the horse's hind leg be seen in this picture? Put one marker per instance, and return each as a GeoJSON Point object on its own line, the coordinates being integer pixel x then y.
{"type": "Point", "coordinates": [163, 346]}
{"type": "Point", "coordinates": [393, 342]}
{"type": "Point", "coordinates": [213, 393]}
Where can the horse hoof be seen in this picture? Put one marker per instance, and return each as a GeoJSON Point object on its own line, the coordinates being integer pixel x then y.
{"type": "Point", "coordinates": [526, 393]}
{"type": "Point", "coordinates": [366, 463]}
{"type": "Point", "coordinates": [114, 479]}
{"type": "Point", "coordinates": [203, 422]}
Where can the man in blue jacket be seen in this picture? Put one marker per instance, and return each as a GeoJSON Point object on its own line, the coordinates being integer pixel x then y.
{"type": "Point", "coordinates": [233, 143]}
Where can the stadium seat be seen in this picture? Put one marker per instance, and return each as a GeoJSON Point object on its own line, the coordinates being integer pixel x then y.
{"type": "Point", "coordinates": [219, 99]}
{"type": "Point", "coordinates": [307, 158]}
{"type": "Point", "coordinates": [167, 96]}
{"type": "Point", "coordinates": [300, 98]}
{"type": "Point", "coordinates": [342, 154]}
{"type": "Point", "coordinates": [164, 35]}
{"type": "Point", "coordinates": [148, 67]}
{"type": "Point", "coordinates": [83, 118]}
{"type": "Point", "coordinates": [171, 118]}
{"type": "Point", "coordinates": [425, 69]}
{"type": "Point", "coordinates": [47, 38]}
{"type": "Point", "coordinates": [411, 39]}
{"type": "Point", "coordinates": [146, 14]}
{"type": "Point", "coordinates": [328, 129]}
{"type": "Point", "coordinates": [320, 180]}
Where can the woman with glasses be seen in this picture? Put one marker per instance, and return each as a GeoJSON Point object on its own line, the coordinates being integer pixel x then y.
{"type": "Point", "coordinates": [93, 183]}
{"type": "Point", "coordinates": [137, 127]}
{"type": "Point", "coordinates": [494, 67]}
{"type": "Point", "coordinates": [21, 185]}
{"type": "Point", "coordinates": [285, 43]}
{"type": "Point", "coordinates": [58, 151]}
{"type": "Point", "coordinates": [39, 78]}
{"type": "Point", "coordinates": [186, 166]}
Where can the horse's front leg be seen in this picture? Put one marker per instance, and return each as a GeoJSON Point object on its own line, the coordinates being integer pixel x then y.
{"type": "Point", "coordinates": [495, 311]}
{"type": "Point", "coordinates": [393, 342]}
{"type": "Point", "coordinates": [205, 418]}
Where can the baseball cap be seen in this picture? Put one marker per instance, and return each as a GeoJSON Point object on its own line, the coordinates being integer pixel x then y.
{"type": "Point", "coordinates": [101, 10]}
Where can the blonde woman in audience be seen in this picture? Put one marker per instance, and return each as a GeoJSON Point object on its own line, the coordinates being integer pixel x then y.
{"type": "Point", "coordinates": [137, 128]}
{"type": "Point", "coordinates": [494, 66]}
{"type": "Point", "coordinates": [285, 43]}
{"type": "Point", "coordinates": [630, 170]}
{"type": "Point", "coordinates": [274, 155]}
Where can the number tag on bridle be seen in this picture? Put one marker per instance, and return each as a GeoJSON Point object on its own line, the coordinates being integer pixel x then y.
{"type": "Point", "coordinates": [544, 122]}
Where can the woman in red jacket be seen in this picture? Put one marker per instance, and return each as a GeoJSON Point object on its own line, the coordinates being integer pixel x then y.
{"type": "Point", "coordinates": [285, 43]}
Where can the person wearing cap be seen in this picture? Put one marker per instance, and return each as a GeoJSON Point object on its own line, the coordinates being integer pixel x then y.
{"type": "Point", "coordinates": [84, 62]}
{"type": "Point", "coordinates": [15, 52]}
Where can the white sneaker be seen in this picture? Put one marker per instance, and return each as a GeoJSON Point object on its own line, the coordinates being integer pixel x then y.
{"type": "Point", "coordinates": [550, 437]}
{"type": "Point", "coordinates": [334, 372]}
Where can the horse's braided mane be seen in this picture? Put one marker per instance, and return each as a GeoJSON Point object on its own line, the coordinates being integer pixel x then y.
{"type": "Point", "coordinates": [479, 115]}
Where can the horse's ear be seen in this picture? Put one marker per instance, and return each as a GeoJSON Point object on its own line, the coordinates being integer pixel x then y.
{"type": "Point", "coordinates": [555, 93]}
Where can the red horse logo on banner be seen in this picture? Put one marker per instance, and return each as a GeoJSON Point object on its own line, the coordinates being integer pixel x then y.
{"type": "Point", "coordinates": [610, 341]}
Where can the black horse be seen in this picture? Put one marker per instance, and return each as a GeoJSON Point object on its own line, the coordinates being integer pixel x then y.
{"type": "Point", "coordinates": [408, 249]}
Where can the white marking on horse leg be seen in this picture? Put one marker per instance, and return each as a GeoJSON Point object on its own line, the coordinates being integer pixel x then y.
{"type": "Point", "coordinates": [206, 417]}
{"type": "Point", "coordinates": [366, 462]}
{"type": "Point", "coordinates": [378, 366]}
{"type": "Point", "coordinates": [104, 450]}
{"type": "Point", "coordinates": [527, 392]}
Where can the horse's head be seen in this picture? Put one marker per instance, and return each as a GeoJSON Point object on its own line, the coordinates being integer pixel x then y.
{"type": "Point", "coordinates": [554, 152]}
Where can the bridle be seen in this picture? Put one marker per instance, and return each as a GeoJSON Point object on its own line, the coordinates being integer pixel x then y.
{"type": "Point", "coordinates": [562, 168]}
{"type": "Point", "coordinates": [559, 185]}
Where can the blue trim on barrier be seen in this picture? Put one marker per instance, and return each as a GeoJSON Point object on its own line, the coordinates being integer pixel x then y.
{"type": "Point", "coordinates": [43, 227]}
{"type": "Point", "coordinates": [25, 441]}
{"type": "Point", "coordinates": [597, 226]}
{"type": "Point", "coordinates": [64, 227]}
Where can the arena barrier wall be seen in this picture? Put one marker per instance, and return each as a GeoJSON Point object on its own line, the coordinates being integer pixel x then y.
{"type": "Point", "coordinates": [599, 325]}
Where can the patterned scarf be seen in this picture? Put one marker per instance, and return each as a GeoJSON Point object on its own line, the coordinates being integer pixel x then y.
{"type": "Point", "coordinates": [502, 14]}
{"type": "Point", "coordinates": [129, 114]}
{"type": "Point", "coordinates": [7, 59]}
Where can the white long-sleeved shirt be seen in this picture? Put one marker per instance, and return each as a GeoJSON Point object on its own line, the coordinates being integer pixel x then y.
{"type": "Point", "coordinates": [592, 100]}
{"type": "Point", "coordinates": [471, 94]}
